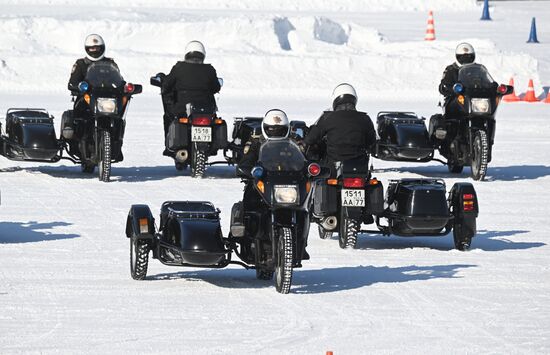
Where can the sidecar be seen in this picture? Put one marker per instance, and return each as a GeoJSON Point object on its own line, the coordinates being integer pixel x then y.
{"type": "Point", "coordinates": [30, 136]}
{"type": "Point", "coordinates": [402, 137]}
{"type": "Point", "coordinates": [189, 235]}
{"type": "Point", "coordinates": [421, 207]}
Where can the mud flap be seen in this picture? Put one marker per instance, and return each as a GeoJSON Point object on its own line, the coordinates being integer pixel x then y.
{"type": "Point", "coordinates": [140, 223]}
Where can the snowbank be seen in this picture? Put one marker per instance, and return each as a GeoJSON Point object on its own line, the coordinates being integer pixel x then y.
{"type": "Point", "coordinates": [255, 54]}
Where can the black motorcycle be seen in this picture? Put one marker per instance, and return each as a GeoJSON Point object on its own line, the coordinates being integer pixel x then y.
{"type": "Point", "coordinates": [347, 201]}
{"type": "Point", "coordinates": [193, 136]}
{"type": "Point", "coordinates": [270, 238]}
{"type": "Point", "coordinates": [465, 133]}
{"type": "Point", "coordinates": [94, 129]}
{"type": "Point", "coordinates": [91, 134]}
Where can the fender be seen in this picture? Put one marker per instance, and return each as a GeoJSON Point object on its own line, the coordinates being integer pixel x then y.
{"type": "Point", "coordinates": [139, 214]}
{"type": "Point", "coordinates": [456, 196]}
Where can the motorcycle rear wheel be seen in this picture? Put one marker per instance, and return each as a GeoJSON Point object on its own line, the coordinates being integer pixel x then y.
{"type": "Point", "coordinates": [349, 229]}
{"type": "Point", "coordinates": [198, 163]}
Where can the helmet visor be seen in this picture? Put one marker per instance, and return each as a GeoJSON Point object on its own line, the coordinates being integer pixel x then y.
{"type": "Point", "coordinates": [95, 51]}
{"type": "Point", "coordinates": [275, 131]}
{"type": "Point", "coordinates": [465, 58]}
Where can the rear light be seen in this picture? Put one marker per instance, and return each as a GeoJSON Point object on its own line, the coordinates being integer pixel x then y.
{"type": "Point", "coordinates": [314, 169]}
{"type": "Point", "coordinates": [374, 181]}
{"type": "Point", "coordinates": [184, 120]}
{"type": "Point", "coordinates": [468, 196]}
{"type": "Point", "coordinates": [129, 88]}
{"type": "Point", "coordinates": [468, 206]}
{"type": "Point", "coordinates": [218, 121]}
{"type": "Point", "coordinates": [202, 121]}
{"type": "Point", "coordinates": [502, 89]}
{"type": "Point", "coordinates": [332, 182]}
{"type": "Point", "coordinates": [354, 182]}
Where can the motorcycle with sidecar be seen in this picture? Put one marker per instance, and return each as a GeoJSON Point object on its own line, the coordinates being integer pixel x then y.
{"type": "Point", "coordinates": [91, 135]}
{"type": "Point", "coordinates": [412, 207]}
{"type": "Point", "coordinates": [463, 135]}
{"type": "Point", "coordinates": [270, 238]}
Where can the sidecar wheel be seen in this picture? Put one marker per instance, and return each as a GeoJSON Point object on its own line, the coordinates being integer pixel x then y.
{"type": "Point", "coordinates": [284, 257]}
{"type": "Point", "coordinates": [323, 233]}
{"type": "Point", "coordinates": [139, 258]}
{"type": "Point", "coordinates": [349, 229]}
{"type": "Point", "coordinates": [480, 157]}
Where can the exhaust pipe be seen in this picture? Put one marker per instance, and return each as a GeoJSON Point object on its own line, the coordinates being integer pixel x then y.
{"type": "Point", "coordinates": [329, 223]}
{"type": "Point", "coordinates": [181, 156]}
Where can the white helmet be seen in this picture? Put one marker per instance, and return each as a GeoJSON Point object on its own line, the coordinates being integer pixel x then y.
{"type": "Point", "coordinates": [343, 94]}
{"type": "Point", "coordinates": [194, 51]}
{"type": "Point", "coordinates": [275, 125]}
{"type": "Point", "coordinates": [465, 54]}
{"type": "Point", "coordinates": [95, 47]}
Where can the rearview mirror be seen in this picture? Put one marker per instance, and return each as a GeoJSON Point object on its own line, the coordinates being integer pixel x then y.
{"type": "Point", "coordinates": [138, 88]}
{"type": "Point", "coordinates": [156, 81]}
{"type": "Point", "coordinates": [509, 89]}
{"type": "Point", "coordinates": [220, 80]}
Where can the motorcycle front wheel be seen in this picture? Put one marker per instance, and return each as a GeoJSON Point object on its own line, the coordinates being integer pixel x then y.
{"type": "Point", "coordinates": [480, 154]}
{"type": "Point", "coordinates": [104, 156]}
{"type": "Point", "coordinates": [283, 268]}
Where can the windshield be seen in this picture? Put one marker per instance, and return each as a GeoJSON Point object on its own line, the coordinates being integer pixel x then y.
{"type": "Point", "coordinates": [281, 155]}
{"type": "Point", "coordinates": [475, 76]}
{"type": "Point", "coordinates": [104, 75]}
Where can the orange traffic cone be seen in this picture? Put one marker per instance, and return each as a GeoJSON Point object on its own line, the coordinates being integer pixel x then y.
{"type": "Point", "coordinates": [511, 97]}
{"type": "Point", "coordinates": [430, 29]}
{"type": "Point", "coordinates": [547, 100]}
{"type": "Point", "coordinates": [530, 94]}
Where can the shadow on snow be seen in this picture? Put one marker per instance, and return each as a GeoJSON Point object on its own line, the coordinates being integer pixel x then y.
{"type": "Point", "coordinates": [502, 173]}
{"type": "Point", "coordinates": [29, 232]}
{"type": "Point", "coordinates": [321, 280]}
{"type": "Point", "coordinates": [484, 240]}
{"type": "Point", "coordinates": [134, 173]}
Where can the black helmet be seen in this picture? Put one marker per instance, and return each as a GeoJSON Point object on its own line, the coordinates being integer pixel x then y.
{"type": "Point", "coordinates": [465, 54]}
{"type": "Point", "coordinates": [343, 94]}
{"type": "Point", "coordinates": [95, 47]}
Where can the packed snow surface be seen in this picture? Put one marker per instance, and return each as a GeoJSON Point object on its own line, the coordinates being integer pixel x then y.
{"type": "Point", "coordinates": [65, 285]}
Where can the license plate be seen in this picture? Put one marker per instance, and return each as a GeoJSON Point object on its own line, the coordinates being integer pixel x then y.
{"type": "Point", "coordinates": [353, 198]}
{"type": "Point", "coordinates": [201, 134]}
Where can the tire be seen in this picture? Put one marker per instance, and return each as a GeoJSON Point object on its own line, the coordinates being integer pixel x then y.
{"type": "Point", "coordinates": [323, 233]}
{"type": "Point", "coordinates": [87, 168]}
{"type": "Point", "coordinates": [104, 165]}
{"type": "Point", "coordinates": [461, 241]}
{"type": "Point", "coordinates": [139, 258]}
{"type": "Point", "coordinates": [284, 258]}
{"type": "Point", "coordinates": [480, 155]}
{"type": "Point", "coordinates": [454, 167]}
{"type": "Point", "coordinates": [198, 163]}
{"type": "Point", "coordinates": [348, 231]}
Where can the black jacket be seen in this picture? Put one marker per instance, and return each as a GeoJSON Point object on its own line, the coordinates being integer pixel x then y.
{"type": "Point", "coordinates": [80, 68]}
{"type": "Point", "coordinates": [348, 133]}
{"type": "Point", "coordinates": [193, 82]}
{"type": "Point", "coordinates": [450, 77]}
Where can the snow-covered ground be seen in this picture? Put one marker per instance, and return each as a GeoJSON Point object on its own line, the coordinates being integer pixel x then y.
{"type": "Point", "coordinates": [64, 275]}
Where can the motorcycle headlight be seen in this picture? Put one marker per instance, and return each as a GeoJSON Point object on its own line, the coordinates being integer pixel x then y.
{"type": "Point", "coordinates": [106, 105]}
{"type": "Point", "coordinates": [286, 194]}
{"type": "Point", "coordinates": [481, 105]}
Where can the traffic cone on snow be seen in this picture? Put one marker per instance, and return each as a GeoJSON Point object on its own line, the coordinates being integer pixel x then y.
{"type": "Point", "coordinates": [547, 100]}
{"type": "Point", "coordinates": [530, 94]}
{"type": "Point", "coordinates": [485, 14]}
{"type": "Point", "coordinates": [511, 97]}
{"type": "Point", "coordinates": [430, 29]}
{"type": "Point", "coordinates": [533, 33]}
